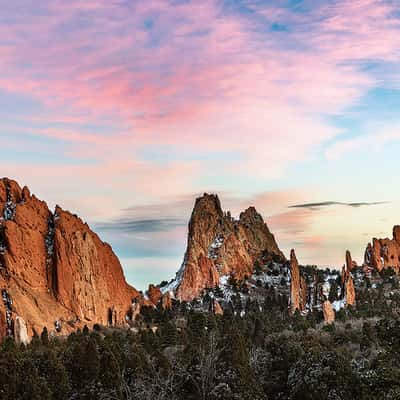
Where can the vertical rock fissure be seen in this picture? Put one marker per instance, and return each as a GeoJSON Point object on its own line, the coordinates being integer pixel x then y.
{"type": "Point", "coordinates": [3, 244]}
{"type": "Point", "coordinates": [51, 270]}
{"type": "Point", "coordinates": [8, 306]}
{"type": "Point", "coordinates": [10, 206]}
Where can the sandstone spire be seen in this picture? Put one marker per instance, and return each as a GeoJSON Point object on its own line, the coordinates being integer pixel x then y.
{"type": "Point", "coordinates": [295, 284]}
{"type": "Point", "coordinates": [328, 311]}
{"type": "Point", "coordinates": [347, 281]}
{"type": "Point", "coordinates": [384, 253]}
{"type": "Point", "coordinates": [220, 245]}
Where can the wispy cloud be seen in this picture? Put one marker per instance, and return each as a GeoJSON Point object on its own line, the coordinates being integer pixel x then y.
{"type": "Point", "coordinates": [142, 225]}
{"type": "Point", "coordinates": [107, 81]}
{"type": "Point", "coordinates": [314, 206]}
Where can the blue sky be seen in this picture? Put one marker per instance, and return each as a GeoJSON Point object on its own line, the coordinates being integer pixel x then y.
{"type": "Point", "coordinates": [124, 112]}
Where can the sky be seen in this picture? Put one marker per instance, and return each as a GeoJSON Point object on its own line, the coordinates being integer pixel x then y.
{"type": "Point", "coordinates": [125, 111]}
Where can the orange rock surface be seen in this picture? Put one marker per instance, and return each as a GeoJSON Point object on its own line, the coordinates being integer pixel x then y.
{"type": "Point", "coordinates": [219, 245]}
{"type": "Point", "coordinates": [347, 280]}
{"type": "Point", "coordinates": [54, 269]}
{"type": "Point", "coordinates": [384, 253]}
{"type": "Point", "coordinates": [154, 294]}
{"type": "Point", "coordinates": [328, 311]}
{"type": "Point", "coordinates": [298, 286]}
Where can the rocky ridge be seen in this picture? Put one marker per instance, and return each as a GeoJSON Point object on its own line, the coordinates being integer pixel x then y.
{"type": "Point", "coordinates": [219, 245]}
{"type": "Point", "coordinates": [384, 253]}
{"type": "Point", "coordinates": [54, 271]}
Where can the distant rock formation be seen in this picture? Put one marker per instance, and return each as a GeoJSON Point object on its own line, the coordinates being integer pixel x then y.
{"type": "Point", "coordinates": [384, 253]}
{"type": "Point", "coordinates": [54, 271]}
{"type": "Point", "coordinates": [328, 311]}
{"type": "Point", "coordinates": [347, 280]}
{"type": "Point", "coordinates": [216, 308]}
{"type": "Point", "coordinates": [154, 294]}
{"type": "Point", "coordinates": [298, 287]}
{"type": "Point", "coordinates": [166, 301]}
{"type": "Point", "coordinates": [220, 245]}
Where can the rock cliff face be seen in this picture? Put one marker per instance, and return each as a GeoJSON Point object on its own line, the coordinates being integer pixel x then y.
{"type": "Point", "coordinates": [54, 271]}
{"type": "Point", "coordinates": [348, 283]}
{"type": "Point", "coordinates": [384, 253]}
{"type": "Point", "coordinates": [298, 287]}
{"type": "Point", "coordinates": [219, 245]}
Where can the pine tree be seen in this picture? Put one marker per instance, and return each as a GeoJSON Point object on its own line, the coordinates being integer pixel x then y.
{"type": "Point", "coordinates": [110, 373]}
{"type": "Point", "coordinates": [44, 337]}
{"type": "Point", "coordinates": [169, 334]}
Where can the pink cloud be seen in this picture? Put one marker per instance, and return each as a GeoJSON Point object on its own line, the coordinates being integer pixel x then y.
{"type": "Point", "coordinates": [375, 142]}
{"type": "Point", "coordinates": [200, 78]}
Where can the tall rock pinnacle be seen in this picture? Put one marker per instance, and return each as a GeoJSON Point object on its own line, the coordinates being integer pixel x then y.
{"type": "Point", "coordinates": [384, 253]}
{"type": "Point", "coordinates": [347, 281]}
{"type": "Point", "coordinates": [220, 245]}
{"type": "Point", "coordinates": [298, 289]}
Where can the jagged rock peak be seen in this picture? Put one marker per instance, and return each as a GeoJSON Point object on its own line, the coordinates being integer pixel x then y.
{"type": "Point", "coordinates": [220, 245]}
{"type": "Point", "coordinates": [250, 215]}
{"type": "Point", "coordinates": [347, 280]}
{"type": "Point", "coordinates": [208, 203]}
{"type": "Point", "coordinates": [349, 261]}
{"type": "Point", "coordinates": [54, 269]}
{"type": "Point", "coordinates": [295, 284]}
{"type": "Point", "coordinates": [396, 233]}
{"type": "Point", "coordinates": [384, 253]}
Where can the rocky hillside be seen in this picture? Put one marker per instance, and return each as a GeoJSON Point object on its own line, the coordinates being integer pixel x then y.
{"type": "Point", "coordinates": [219, 245]}
{"type": "Point", "coordinates": [384, 253]}
{"type": "Point", "coordinates": [54, 271]}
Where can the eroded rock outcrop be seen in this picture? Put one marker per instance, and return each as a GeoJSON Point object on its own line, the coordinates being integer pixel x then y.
{"type": "Point", "coordinates": [295, 293]}
{"type": "Point", "coordinates": [166, 301]}
{"type": "Point", "coordinates": [384, 253]}
{"type": "Point", "coordinates": [156, 297]}
{"type": "Point", "coordinates": [328, 311]}
{"type": "Point", "coordinates": [216, 308]}
{"type": "Point", "coordinates": [154, 294]}
{"type": "Point", "coordinates": [350, 293]}
{"type": "Point", "coordinates": [220, 245]}
{"type": "Point", "coordinates": [347, 281]}
{"type": "Point", "coordinates": [298, 286]}
{"type": "Point", "coordinates": [20, 331]}
{"type": "Point", "coordinates": [54, 269]}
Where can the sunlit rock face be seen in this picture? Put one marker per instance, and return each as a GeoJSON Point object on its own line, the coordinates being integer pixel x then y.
{"type": "Point", "coordinates": [298, 288]}
{"type": "Point", "coordinates": [219, 245]}
{"type": "Point", "coordinates": [348, 282]}
{"type": "Point", "coordinates": [54, 270]}
{"type": "Point", "coordinates": [384, 253]}
{"type": "Point", "coordinates": [328, 311]}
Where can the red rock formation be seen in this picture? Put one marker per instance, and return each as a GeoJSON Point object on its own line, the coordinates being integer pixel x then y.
{"type": "Point", "coordinates": [166, 301]}
{"type": "Point", "coordinates": [347, 281]}
{"type": "Point", "coordinates": [328, 311]}
{"type": "Point", "coordinates": [350, 264]}
{"type": "Point", "coordinates": [154, 294]}
{"type": "Point", "coordinates": [350, 292]}
{"type": "Point", "coordinates": [298, 287]}
{"type": "Point", "coordinates": [156, 297]}
{"type": "Point", "coordinates": [384, 253]}
{"type": "Point", "coordinates": [219, 245]}
{"type": "Point", "coordinates": [216, 308]}
{"type": "Point", "coordinates": [54, 268]}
